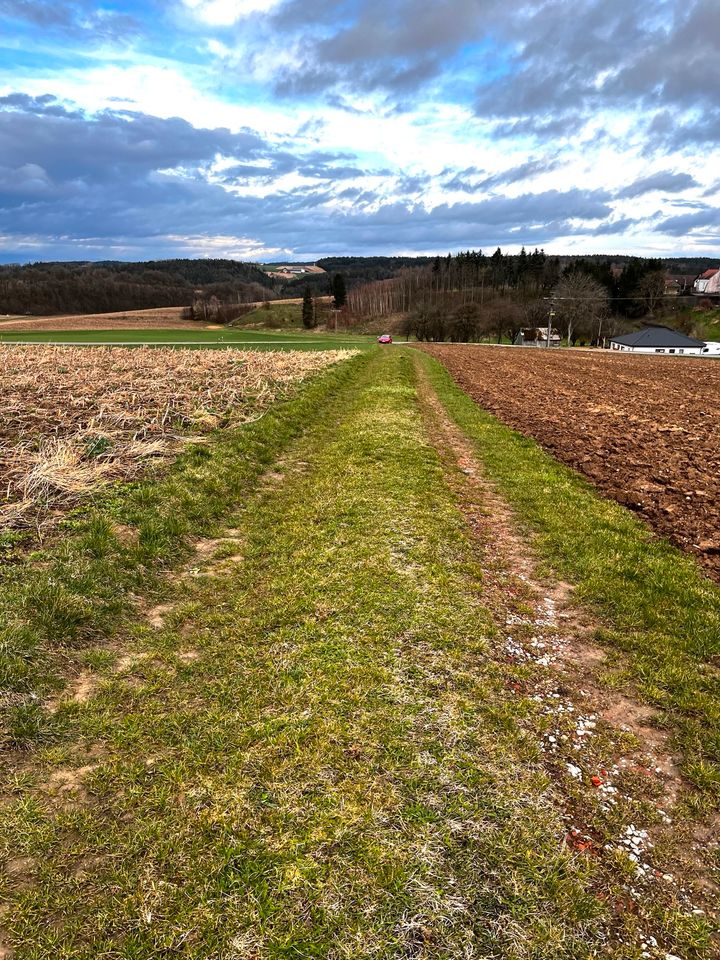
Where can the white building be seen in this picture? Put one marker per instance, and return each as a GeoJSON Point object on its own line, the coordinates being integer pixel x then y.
{"type": "Point", "coordinates": [658, 339]}
{"type": "Point", "coordinates": [707, 283]}
{"type": "Point", "coordinates": [538, 337]}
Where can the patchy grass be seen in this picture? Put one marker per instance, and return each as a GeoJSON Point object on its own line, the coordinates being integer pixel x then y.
{"type": "Point", "coordinates": [62, 598]}
{"type": "Point", "coordinates": [657, 606]}
{"type": "Point", "coordinates": [273, 315]}
{"type": "Point", "coordinates": [312, 754]}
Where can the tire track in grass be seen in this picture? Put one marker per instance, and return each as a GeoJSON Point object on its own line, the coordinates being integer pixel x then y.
{"type": "Point", "coordinates": [606, 751]}
{"type": "Point", "coordinates": [339, 771]}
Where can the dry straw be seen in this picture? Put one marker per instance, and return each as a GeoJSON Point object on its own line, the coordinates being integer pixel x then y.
{"type": "Point", "coordinates": [74, 417]}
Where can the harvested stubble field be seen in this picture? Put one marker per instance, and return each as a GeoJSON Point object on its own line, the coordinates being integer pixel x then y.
{"type": "Point", "coordinates": [158, 318]}
{"type": "Point", "coordinates": [74, 418]}
{"type": "Point", "coordinates": [642, 429]}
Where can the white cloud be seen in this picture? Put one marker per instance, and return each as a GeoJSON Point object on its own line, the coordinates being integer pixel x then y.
{"type": "Point", "coordinates": [224, 13]}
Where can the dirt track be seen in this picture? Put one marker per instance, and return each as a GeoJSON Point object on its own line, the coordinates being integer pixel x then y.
{"type": "Point", "coordinates": [645, 430]}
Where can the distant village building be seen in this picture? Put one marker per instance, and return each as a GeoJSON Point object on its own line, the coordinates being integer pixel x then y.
{"type": "Point", "coordinates": [655, 338]}
{"type": "Point", "coordinates": [707, 283]}
{"type": "Point", "coordinates": [538, 337]}
{"type": "Point", "coordinates": [713, 287]}
{"type": "Point", "coordinates": [682, 282]}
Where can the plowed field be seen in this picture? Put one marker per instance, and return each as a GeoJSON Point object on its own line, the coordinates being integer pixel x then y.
{"type": "Point", "coordinates": [645, 430]}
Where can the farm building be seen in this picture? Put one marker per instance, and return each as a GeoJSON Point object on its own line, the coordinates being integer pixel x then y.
{"type": "Point", "coordinates": [655, 338]}
{"type": "Point", "coordinates": [713, 287]}
{"type": "Point", "coordinates": [537, 337]}
{"type": "Point", "coordinates": [707, 283]}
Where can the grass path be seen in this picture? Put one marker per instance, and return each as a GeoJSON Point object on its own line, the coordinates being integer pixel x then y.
{"type": "Point", "coordinates": [318, 745]}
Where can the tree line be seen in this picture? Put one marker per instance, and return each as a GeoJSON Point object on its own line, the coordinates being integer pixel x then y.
{"type": "Point", "coordinates": [82, 287]}
{"type": "Point", "coordinates": [472, 296]}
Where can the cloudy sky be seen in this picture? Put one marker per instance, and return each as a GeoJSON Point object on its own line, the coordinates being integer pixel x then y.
{"type": "Point", "coordinates": [273, 129]}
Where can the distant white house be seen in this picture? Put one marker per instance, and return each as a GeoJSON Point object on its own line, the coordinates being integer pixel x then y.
{"type": "Point", "coordinates": [655, 338]}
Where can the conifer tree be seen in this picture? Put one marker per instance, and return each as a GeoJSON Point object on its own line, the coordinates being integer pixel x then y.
{"type": "Point", "coordinates": [308, 310]}
{"type": "Point", "coordinates": [339, 291]}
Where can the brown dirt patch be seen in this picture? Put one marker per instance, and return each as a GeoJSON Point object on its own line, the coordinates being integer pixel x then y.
{"type": "Point", "coordinates": [643, 429]}
{"type": "Point", "coordinates": [156, 616]}
{"type": "Point", "coordinates": [159, 318]}
{"type": "Point", "coordinates": [83, 688]}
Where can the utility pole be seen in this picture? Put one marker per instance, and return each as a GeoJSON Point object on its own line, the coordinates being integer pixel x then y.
{"type": "Point", "coordinates": [551, 317]}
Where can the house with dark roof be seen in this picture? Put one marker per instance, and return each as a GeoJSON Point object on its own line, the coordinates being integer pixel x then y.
{"type": "Point", "coordinates": [655, 338]}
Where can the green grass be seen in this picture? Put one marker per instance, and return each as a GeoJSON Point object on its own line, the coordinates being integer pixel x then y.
{"type": "Point", "coordinates": [708, 324]}
{"type": "Point", "coordinates": [658, 608]}
{"type": "Point", "coordinates": [66, 595]}
{"type": "Point", "coordinates": [227, 337]}
{"type": "Point", "coordinates": [273, 315]}
{"type": "Point", "coordinates": [315, 755]}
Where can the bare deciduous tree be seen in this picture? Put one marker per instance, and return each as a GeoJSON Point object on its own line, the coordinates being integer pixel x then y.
{"type": "Point", "coordinates": [581, 303]}
{"type": "Point", "coordinates": [651, 290]}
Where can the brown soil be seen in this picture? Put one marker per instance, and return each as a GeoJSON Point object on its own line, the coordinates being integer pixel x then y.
{"type": "Point", "coordinates": [159, 318]}
{"type": "Point", "coordinates": [569, 662]}
{"type": "Point", "coordinates": [643, 429]}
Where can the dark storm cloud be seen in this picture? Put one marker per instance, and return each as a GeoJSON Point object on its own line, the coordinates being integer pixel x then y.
{"type": "Point", "coordinates": [543, 67]}
{"type": "Point", "coordinates": [607, 54]}
{"type": "Point", "coordinates": [62, 173]}
{"type": "Point", "coordinates": [666, 181]}
{"type": "Point", "coordinates": [395, 46]}
{"type": "Point", "coordinates": [127, 177]}
{"type": "Point", "coordinates": [132, 182]}
{"type": "Point", "coordinates": [72, 147]}
{"type": "Point", "coordinates": [72, 18]}
{"type": "Point", "coordinates": [682, 224]}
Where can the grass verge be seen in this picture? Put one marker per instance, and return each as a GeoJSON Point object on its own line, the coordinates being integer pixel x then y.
{"type": "Point", "coordinates": [60, 600]}
{"type": "Point", "coordinates": [314, 755]}
{"type": "Point", "coordinates": [657, 606]}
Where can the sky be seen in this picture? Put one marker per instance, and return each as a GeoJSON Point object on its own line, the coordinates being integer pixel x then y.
{"type": "Point", "coordinates": [279, 130]}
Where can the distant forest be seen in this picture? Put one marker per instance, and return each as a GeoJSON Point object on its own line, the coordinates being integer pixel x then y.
{"type": "Point", "coordinates": [473, 296]}
{"type": "Point", "coordinates": [106, 286]}
{"type": "Point", "coordinates": [57, 288]}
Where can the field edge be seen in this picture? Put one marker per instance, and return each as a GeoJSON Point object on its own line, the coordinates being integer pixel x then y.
{"type": "Point", "coordinates": [658, 610]}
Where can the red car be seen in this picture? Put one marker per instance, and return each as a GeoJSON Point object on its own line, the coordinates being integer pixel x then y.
{"type": "Point", "coordinates": [384, 338]}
